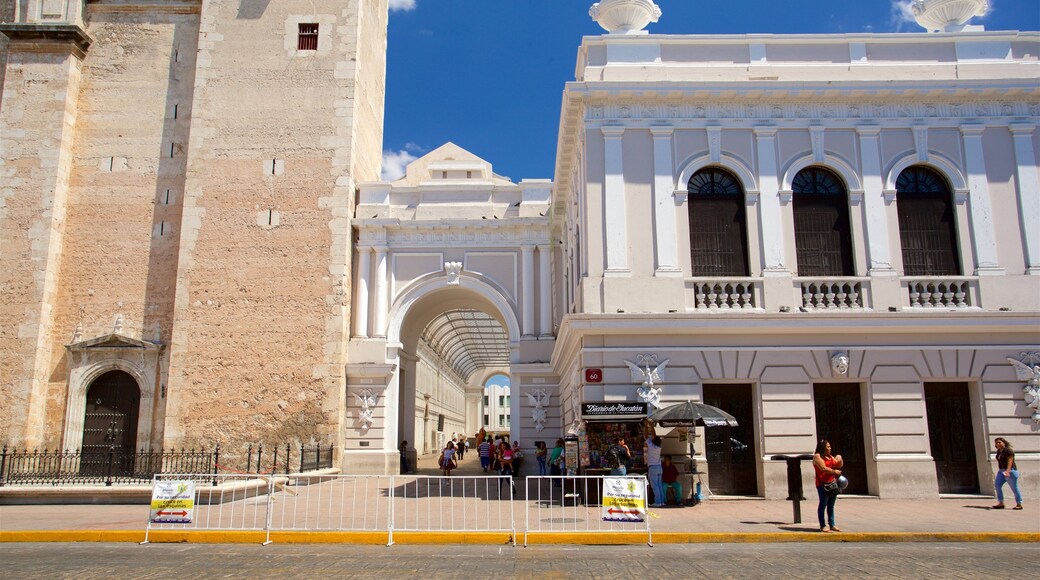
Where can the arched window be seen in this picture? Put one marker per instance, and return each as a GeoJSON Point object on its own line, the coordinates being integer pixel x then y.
{"type": "Point", "coordinates": [926, 224]}
{"type": "Point", "coordinates": [821, 224]}
{"type": "Point", "coordinates": [718, 224]}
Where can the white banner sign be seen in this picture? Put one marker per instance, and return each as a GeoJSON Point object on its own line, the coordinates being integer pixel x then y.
{"type": "Point", "coordinates": [172, 502]}
{"type": "Point", "coordinates": [624, 499]}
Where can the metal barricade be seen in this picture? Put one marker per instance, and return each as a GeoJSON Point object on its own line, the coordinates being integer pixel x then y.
{"type": "Point", "coordinates": [373, 503]}
{"type": "Point", "coordinates": [566, 503]}
{"type": "Point", "coordinates": [355, 503]}
{"type": "Point", "coordinates": [453, 504]}
{"type": "Point", "coordinates": [224, 502]}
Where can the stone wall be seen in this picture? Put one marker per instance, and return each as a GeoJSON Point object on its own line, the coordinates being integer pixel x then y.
{"type": "Point", "coordinates": [261, 308]}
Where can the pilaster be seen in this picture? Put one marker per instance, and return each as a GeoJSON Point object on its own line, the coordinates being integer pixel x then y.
{"type": "Point", "coordinates": [879, 254]}
{"type": "Point", "coordinates": [1028, 182]}
{"type": "Point", "coordinates": [665, 243]}
{"type": "Point", "coordinates": [980, 205]}
{"type": "Point", "coordinates": [37, 129]}
{"type": "Point", "coordinates": [615, 226]}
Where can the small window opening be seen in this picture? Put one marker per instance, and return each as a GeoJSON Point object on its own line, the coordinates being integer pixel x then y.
{"type": "Point", "coordinates": [308, 37]}
{"type": "Point", "coordinates": [175, 111]}
{"type": "Point", "coordinates": [270, 216]}
{"type": "Point", "coordinates": [162, 228]}
{"type": "Point", "coordinates": [167, 197]}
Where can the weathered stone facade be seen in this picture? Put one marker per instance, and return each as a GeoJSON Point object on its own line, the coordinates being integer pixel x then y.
{"type": "Point", "coordinates": [188, 176]}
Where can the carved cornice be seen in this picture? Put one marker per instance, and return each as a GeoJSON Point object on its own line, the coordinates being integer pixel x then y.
{"type": "Point", "coordinates": [145, 6]}
{"type": "Point", "coordinates": [47, 38]}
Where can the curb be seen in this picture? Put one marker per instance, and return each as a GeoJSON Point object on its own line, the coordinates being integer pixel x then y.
{"type": "Point", "coordinates": [503, 538]}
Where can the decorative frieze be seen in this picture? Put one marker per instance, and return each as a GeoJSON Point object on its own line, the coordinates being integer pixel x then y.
{"type": "Point", "coordinates": [814, 110]}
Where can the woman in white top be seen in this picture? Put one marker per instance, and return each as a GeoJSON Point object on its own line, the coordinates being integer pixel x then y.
{"type": "Point", "coordinates": [448, 459]}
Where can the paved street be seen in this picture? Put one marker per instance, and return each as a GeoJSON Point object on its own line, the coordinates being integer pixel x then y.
{"type": "Point", "coordinates": [118, 561]}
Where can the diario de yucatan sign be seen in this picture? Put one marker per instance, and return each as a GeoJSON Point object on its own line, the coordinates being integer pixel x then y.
{"type": "Point", "coordinates": [172, 502]}
{"type": "Point", "coordinates": [624, 499]}
{"type": "Point", "coordinates": [607, 410]}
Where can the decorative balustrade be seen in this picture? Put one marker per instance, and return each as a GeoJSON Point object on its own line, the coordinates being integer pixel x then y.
{"type": "Point", "coordinates": [948, 292]}
{"type": "Point", "coordinates": [726, 294]}
{"type": "Point", "coordinates": [832, 293]}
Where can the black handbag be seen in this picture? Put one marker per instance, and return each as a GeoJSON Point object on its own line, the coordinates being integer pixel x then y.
{"type": "Point", "coordinates": [831, 487]}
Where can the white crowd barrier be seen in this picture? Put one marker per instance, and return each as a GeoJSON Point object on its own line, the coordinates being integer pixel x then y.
{"type": "Point", "coordinates": [314, 502]}
{"type": "Point", "coordinates": [575, 504]}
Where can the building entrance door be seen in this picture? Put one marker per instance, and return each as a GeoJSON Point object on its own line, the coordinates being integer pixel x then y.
{"type": "Point", "coordinates": [110, 422]}
{"type": "Point", "coordinates": [731, 450]}
{"type": "Point", "coordinates": [839, 420]}
{"type": "Point", "coordinates": [951, 437]}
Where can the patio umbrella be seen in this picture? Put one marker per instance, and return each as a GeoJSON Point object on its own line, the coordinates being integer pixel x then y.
{"type": "Point", "coordinates": [690, 414]}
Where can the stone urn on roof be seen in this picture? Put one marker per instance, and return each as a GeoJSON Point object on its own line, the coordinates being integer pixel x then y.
{"type": "Point", "coordinates": [625, 16]}
{"type": "Point", "coordinates": [947, 15]}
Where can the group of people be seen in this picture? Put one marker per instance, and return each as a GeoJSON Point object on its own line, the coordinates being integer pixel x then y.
{"type": "Point", "coordinates": [830, 482]}
{"type": "Point", "coordinates": [498, 455]}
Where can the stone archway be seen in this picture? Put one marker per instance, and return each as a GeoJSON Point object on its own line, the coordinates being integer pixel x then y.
{"type": "Point", "coordinates": [462, 330]}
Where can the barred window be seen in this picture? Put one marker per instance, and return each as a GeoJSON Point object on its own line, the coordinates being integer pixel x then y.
{"type": "Point", "coordinates": [308, 37]}
{"type": "Point", "coordinates": [822, 234]}
{"type": "Point", "coordinates": [718, 224]}
{"type": "Point", "coordinates": [926, 224]}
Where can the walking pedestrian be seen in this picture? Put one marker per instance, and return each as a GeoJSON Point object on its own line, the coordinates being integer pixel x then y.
{"type": "Point", "coordinates": [403, 448]}
{"type": "Point", "coordinates": [484, 451]}
{"type": "Point", "coordinates": [505, 463]}
{"type": "Point", "coordinates": [447, 460]}
{"type": "Point", "coordinates": [654, 469]}
{"type": "Point", "coordinates": [1007, 471]}
{"type": "Point", "coordinates": [828, 469]}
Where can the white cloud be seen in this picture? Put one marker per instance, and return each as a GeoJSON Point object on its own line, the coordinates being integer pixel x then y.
{"type": "Point", "coordinates": [901, 16]}
{"type": "Point", "coordinates": [402, 5]}
{"type": "Point", "coordinates": [395, 162]}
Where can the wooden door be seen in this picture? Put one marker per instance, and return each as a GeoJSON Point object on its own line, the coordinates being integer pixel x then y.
{"type": "Point", "coordinates": [839, 419]}
{"type": "Point", "coordinates": [731, 450]}
{"type": "Point", "coordinates": [951, 437]}
{"type": "Point", "coordinates": [110, 423]}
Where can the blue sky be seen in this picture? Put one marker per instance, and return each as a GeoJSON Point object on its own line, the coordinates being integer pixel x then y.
{"type": "Point", "coordinates": [488, 75]}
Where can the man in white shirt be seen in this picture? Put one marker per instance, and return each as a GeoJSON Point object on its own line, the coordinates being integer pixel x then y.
{"type": "Point", "coordinates": [654, 470]}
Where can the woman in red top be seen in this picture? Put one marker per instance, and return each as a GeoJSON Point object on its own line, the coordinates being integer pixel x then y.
{"type": "Point", "coordinates": [828, 468]}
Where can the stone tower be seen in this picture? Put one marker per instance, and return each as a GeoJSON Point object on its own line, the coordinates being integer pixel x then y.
{"type": "Point", "coordinates": [177, 185]}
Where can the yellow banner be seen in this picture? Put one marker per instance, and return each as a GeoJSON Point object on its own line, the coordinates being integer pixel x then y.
{"type": "Point", "coordinates": [163, 504]}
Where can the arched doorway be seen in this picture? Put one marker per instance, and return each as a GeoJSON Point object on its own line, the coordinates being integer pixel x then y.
{"type": "Point", "coordinates": [450, 341]}
{"type": "Point", "coordinates": [110, 420]}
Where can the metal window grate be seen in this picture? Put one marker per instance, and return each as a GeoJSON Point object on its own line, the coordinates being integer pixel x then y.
{"type": "Point", "coordinates": [822, 232]}
{"type": "Point", "coordinates": [926, 224]}
{"type": "Point", "coordinates": [718, 224]}
{"type": "Point", "coordinates": [308, 37]}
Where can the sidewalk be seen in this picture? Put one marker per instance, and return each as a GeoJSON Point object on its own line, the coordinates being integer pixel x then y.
{"type": "Point", "coordinates": [737, 519]}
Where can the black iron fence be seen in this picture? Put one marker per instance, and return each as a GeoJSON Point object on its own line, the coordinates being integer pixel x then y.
{"type": "Point", "coordinates": [107, 467]}
{"type": "Point", "coordinates": [280, 458]}
{"type": "Point", "coordinates": [115, 466]}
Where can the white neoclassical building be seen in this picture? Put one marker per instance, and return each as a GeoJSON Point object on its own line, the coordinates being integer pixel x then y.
{"type": "Point", "coordinates": [828, 236]}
